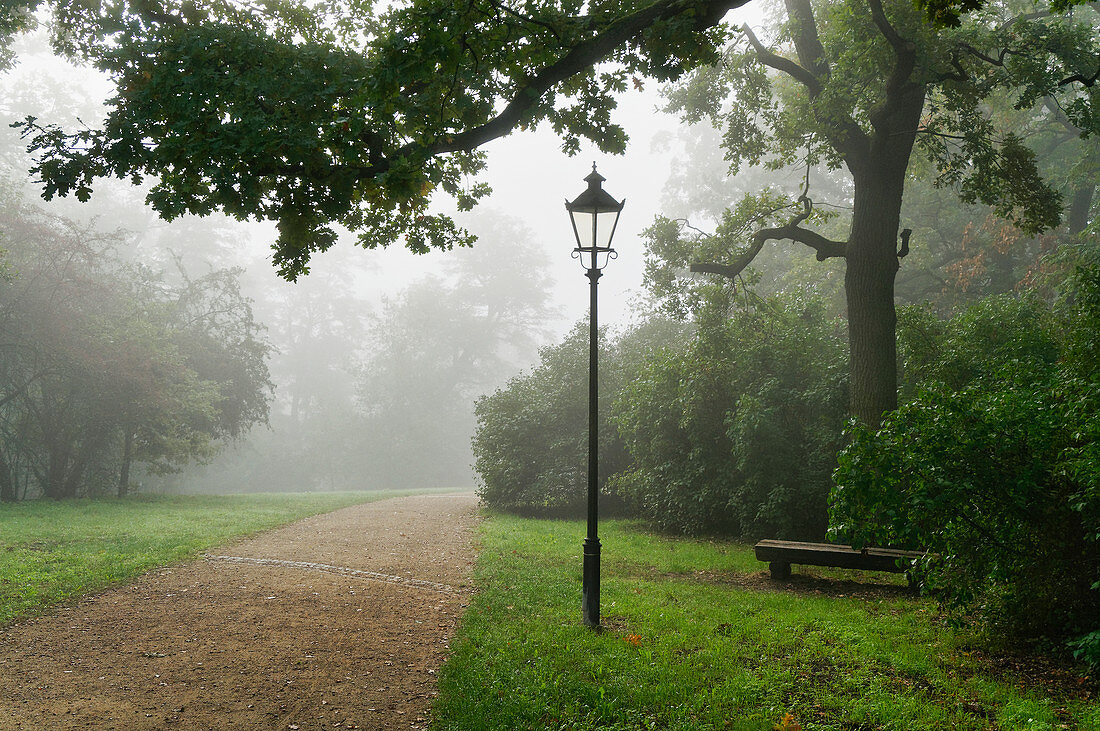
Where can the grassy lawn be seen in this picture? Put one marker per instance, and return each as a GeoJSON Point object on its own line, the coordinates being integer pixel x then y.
{"type": "Point", "coordinates": [52, 551]}
{"type": "Point", "coordinates": [697, 638]}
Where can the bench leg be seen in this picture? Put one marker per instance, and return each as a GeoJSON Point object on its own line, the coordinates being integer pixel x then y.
{"type": "Point", "coordinates": [780, 570]}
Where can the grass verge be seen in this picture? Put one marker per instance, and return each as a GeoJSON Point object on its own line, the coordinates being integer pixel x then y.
{"type": "Point", "coordinates": [53, 551]}
{"type": "Point", "coordinates": [697, 637]}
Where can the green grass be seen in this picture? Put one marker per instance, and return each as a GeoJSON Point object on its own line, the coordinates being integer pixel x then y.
{"type": "Point", "coordinates": [694, 642]}
{"type": "Point", "coordinates": [53, 551]}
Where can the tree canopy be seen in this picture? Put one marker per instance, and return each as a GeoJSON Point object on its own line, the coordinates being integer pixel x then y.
{"type": "Point", "coordinates": [333, 115]}
{"type": "Point", "coordinates": [104, 363]}
{"type": "Point", "coordinates": [859, 86]}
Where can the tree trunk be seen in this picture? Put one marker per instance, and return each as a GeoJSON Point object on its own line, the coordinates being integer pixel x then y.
{"type": "Point", "coordinates": [8, 492]}
{"type": "Point", "coordinates": [1078, 217]}
{"type": "Point", "coordinates": [127, 458]}
{"type": "Point", "coordinates": [872, 319]}
{"type": "Point", "coordinates": [872, 261]}
{"type": "Point", "coordinates": [57, 459]}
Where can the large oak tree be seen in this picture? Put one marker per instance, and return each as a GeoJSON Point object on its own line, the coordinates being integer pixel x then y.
{"type": "Point", "coordinates": [858, 84]}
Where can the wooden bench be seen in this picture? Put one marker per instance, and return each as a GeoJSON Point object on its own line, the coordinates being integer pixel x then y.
{"type": "Point", "coordinates": [781, 554]}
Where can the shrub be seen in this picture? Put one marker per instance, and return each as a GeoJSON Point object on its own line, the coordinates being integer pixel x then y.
{"type": "Point", "coordinates": [531, 443]}
{"type": "Point", "coordinates": [736, 434]}
{"type": "Point", "coordinates": [993, 464]}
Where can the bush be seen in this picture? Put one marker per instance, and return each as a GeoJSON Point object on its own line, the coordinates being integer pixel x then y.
{"type": "Point", "coordinates": [994, 464]}
{"type": "Point", "coordinates": [737, 433]}
{"type": "Point", "coordinates": [531, 443]}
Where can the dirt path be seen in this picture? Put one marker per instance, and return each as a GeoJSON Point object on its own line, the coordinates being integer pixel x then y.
{"type": "Point", "coordinates": [337, 621]}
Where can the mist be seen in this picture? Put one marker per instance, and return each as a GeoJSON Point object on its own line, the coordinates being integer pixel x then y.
{"type": "Point", "coordinates": [375, 358]}
{"type": "Point", "coordinates": [365, 373]}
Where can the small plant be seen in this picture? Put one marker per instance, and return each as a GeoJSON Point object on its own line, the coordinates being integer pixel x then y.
{"type": "Point", "coordinates": [1087, 649]}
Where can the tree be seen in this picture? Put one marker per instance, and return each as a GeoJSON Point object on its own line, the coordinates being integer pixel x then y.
{"type": "Point", "coordinates": [283, 113]}
{"type": "Point", "coordinates": [735, 431]}
{"type": "Point", "coordinates": [531, 440]}
{"type": "Point", "coordinates": [961, 252]}
{"type": "Point", "coordinates": [103, 365]}
{"type": "Point", "coordinates": [15, 18]}
{"type": "Point", "coordinates": [991, 464]}
{"type": "Point", "coordinates": [870, 82]}
{"type": "Point", "coordinates": [355, 120]}
{"type": "Point", "coordinates": [441, 344]}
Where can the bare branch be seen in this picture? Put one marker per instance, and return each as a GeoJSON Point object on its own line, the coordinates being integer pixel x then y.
{"type": "Point", "coordinates": [888, 31]}
{"type": "Point", "coordinates": [730, 271]}
{"type": "Point", "coordinates": [847, 136]}
{"type": "Point", "coordinates": [825, 248]}
{"type": "Point", "coordinates": [905, 54]}
{"type": "Point", "coordinates": [1088, 81]}
{"type": "Point", "coordinates": [998, 61]}
{"type": "Point", "coordinates": [526, 18]}
{"type": "Point", "coordinates": [780, 63]}
{"type": "Point", "coordinates": [811, 54]}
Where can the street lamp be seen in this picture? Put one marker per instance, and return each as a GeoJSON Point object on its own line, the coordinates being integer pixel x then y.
{"type": "Point", "coordinates": [594, 215]}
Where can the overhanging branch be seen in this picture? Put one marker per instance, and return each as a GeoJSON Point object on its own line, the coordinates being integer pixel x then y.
{"type": "Point", "coordinates": [582, 56]}
{"type": "Point", "coordinates": [824, 248]}
{"type": "Point", "coordinates": [781, 63]}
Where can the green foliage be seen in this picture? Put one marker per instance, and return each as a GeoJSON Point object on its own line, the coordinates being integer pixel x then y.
{"type": "Point", "coordinates": [978, 343]}
{"type": "Point", "coordinates": [691, 644]}
{"type": "Point", "coordinates": [15, 17]}
{"type": "Point", "coordinates": [1087, 649]}
{"type": "Point", "coordinates": [672, 246]}
{"type": "Point", "coordinates": [531, 443]}
{"type": "Point", "coordinates": [1079, 309]}
{"type": "Point", "coordinates": [992, 465]}
{"type": "Point", "coordinates": [346, 114]}
{"type": "Point", "coordinates": [104, 364]}
{"type": "Point", "coordinates": [735, 434]}
{"type": "Point", "coordinates": [981, 477]}
{"type": "Point", "coordinates": [777, 121]}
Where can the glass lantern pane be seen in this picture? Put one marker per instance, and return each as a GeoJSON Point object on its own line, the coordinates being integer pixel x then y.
{"type": "Point", "coordinates": [582, 220]}
{"type": "Point", "coordinates": [605, 226]}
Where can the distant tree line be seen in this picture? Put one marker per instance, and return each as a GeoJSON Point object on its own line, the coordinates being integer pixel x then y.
{"type": "Point", "coordinates": [106, 365]}
{"type": "Point", "coordinates": [380, 394]}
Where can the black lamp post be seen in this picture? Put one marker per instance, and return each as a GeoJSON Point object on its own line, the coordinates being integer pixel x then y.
{"type": "Point", "coordinates": [594, 215]}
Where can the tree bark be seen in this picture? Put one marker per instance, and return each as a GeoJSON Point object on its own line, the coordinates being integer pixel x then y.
{"type": "Point", "coordinates": [1080, 205]}
{"type": "Point", "coordinates": [8, 493]}
{"type": "Point", "coordinates": [872, 261]}
{"type": "Point", "coordinates": [127, 458]}
{"type": "Point", "coordinates": [872, 319]}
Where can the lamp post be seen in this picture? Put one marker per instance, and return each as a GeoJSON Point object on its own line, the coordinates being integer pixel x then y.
{"type": "Point", "coordinates": [594, 215]}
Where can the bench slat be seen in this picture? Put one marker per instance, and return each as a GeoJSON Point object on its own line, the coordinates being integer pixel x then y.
{"type": "Point", "coordinates": [833, 554]}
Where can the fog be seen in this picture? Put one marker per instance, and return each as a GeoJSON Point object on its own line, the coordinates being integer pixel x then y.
{"type": "Point", "coordinates": [325, 332]}
{"type": "Point", "coordinates": [364, 373]}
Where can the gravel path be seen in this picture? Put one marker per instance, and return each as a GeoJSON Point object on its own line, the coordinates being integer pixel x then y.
{"type": "Point", "coordinates": [337, 621]}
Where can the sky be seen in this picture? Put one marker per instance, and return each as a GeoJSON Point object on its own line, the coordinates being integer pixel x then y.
{"type": "Point", "coordinates": [532, 178]}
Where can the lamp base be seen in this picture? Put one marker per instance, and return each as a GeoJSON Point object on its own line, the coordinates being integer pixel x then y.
{"type": "Point", "coordinates": [590, 591]}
